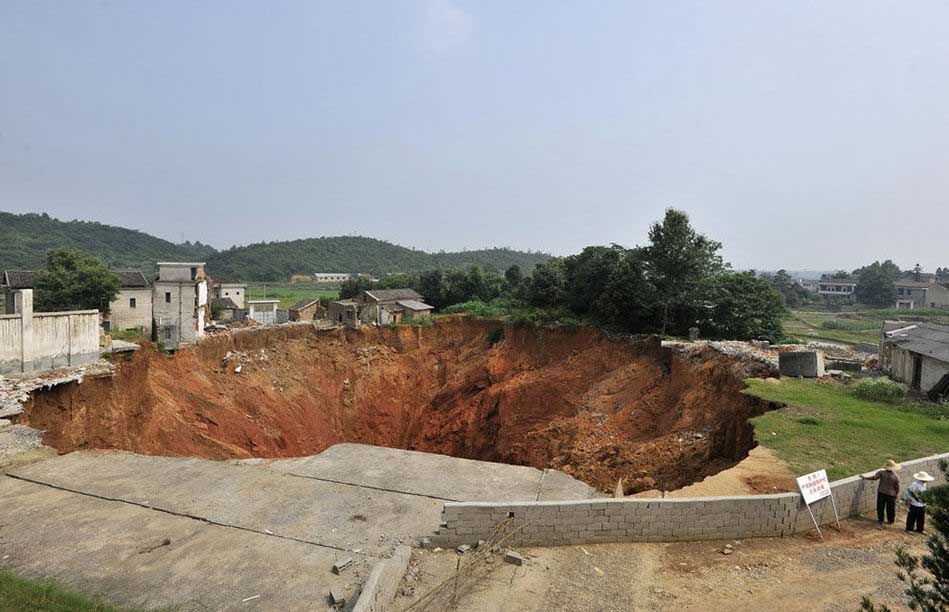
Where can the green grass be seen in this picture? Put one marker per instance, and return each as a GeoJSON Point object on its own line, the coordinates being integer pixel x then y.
{"type": "Point", "coordinates": [289, 294]}
{"type": "Point", "coordinates": [129, 335]}
{"type": "Point", "coordinates": [22, 595]}
{"type": "Point", "coordinates": [805, 325]}
{"type": "Point", "coordinates": [826, 426]}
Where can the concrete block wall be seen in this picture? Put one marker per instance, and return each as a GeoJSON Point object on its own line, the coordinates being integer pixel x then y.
{"type": "Point", "coordinates": [662, 520]}
{"type": "Point", "coordinates": [42, 341]}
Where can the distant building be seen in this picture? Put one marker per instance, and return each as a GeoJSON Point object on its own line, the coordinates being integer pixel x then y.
{"type": "Point", "coordinates": [15, 281]}
{"type": "Point", "coordinates": [332, 277]}
{"type": "Point", "coordinates": [179, 304]}
{"type": "Point", "coordinates": [237, 292]}
{"type": "Point", "coordinates": [836, 287]}
{"type": "Point", "coordinates": [912, 294]}
{"type": "Point", "coordinates": [226, 309]}
{"type": "Point", "coordinates": [263, 311]}
{"type": "Point", "coordinates": [380, 306]}
{"type": "Point", "coordinates": [917, 354]}
{"type": "Point", "coordinates": [808, 284]}
{"type": "Point", "coordinates": [307, 310]}
{"type": "Point", "coordinates": [132, 307]}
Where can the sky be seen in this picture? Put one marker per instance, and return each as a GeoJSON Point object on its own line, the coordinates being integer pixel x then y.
{"type": "Point", "coordinates": [802, 135]}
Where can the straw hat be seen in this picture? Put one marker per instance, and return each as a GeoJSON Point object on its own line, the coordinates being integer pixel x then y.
{"type": "Point", "coordinates": [923, 476]}
{"type": "Point", "coordinates": [891, 466]}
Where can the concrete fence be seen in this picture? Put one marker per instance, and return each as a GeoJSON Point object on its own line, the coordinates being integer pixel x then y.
{"type": "Point", "coordinates": [46, 340]}
{"type": "Point", "coordinates": [662, 520]}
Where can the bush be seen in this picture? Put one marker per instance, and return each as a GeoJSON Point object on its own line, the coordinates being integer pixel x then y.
{"type": "Point", "coordinates": [808, 420]}
{"type": "Point", "coordinates": [478, 309]}
{"type": "Point", "coordinates": [849, 325]}
{"type": "Point", "coordinates": [880, 390]}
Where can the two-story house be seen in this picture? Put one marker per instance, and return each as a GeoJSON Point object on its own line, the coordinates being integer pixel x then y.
{"type": "Point", "coordinates": [180, 307]}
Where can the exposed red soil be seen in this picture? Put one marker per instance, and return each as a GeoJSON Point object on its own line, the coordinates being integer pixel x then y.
{"type": "Point", "coordinates": [597, 407]}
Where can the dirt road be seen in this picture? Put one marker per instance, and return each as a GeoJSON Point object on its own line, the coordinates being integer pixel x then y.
{"type": "Point", "coordinates": [797, 573]}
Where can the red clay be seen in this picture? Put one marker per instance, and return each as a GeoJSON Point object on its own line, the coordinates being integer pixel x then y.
{"type": "Point", "coordinates": [572, 399]}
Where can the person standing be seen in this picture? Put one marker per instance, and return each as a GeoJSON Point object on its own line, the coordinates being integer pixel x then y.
{"type": "Point", "coordinates": [889, 478]}
{"type": "Point", "coordinates": [916, 519]}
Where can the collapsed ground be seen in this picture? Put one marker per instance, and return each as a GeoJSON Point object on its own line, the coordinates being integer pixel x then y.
{"type": "Point", "coordinates": [596, 407]}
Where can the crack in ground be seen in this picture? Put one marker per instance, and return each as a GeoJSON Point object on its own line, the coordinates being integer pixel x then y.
{"type": "Point", "coordinates": [189, 516]}
{"type": "Point", "coordinates": [363, 486]}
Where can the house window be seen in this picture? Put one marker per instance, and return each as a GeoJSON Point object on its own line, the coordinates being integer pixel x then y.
{"type": "Point", "coordinates": [168, 333]}
{"type": "Point", "coordinates": [168, 297]}
{"type": "Point", "coordinates": [131, 302]}
{"type": "Point", "coordinates": [194, 273]}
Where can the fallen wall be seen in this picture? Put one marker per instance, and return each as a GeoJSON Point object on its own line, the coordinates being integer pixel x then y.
{"type": "Point", "coordinates": [383, 581]}
{"type": "Point", "coordinates": [662, 520]}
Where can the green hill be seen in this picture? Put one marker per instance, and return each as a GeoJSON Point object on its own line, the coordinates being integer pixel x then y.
{"type": "Point", "coordinates": [25, 240]}
{"type": "Point", "coordinates": [274, 261]}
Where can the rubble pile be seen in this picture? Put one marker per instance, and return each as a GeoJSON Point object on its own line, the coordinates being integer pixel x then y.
{"type": "Point", "coordinates": [16, 390]}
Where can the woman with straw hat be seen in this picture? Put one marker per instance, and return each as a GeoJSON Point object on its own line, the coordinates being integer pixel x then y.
{"type": "Point", "coordinates": [889, 478]}
{"type": "Point", "coordinates": [917, 507]}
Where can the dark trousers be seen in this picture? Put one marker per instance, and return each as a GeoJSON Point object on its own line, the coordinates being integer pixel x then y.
{"type": "Point", "coordinates": [916, 519]}
{"type": "Point", "coordinates": [887, 503]}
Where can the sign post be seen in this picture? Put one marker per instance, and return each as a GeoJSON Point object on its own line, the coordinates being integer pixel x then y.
{"type": "Point", "coordinates": [815, 487]}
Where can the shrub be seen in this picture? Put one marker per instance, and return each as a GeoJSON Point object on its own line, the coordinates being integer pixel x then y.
{"type": "Point", "coordinates": [849, 325]}
{"type": "Point", "coordinates": [880, 390]}
{"type": "Point", "coordinates": [477, 308]}
{"type": "Point", "coordinates": [808, 420]}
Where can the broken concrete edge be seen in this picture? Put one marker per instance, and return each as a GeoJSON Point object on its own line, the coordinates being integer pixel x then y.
{"type": "Point", "coordinates": [383, 582]}
{"type": "Point", "coordinates": [592, 521]}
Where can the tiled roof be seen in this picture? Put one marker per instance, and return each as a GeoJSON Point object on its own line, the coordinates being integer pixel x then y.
{"type": "Point", "coordinates": [225, 302]}
{"type": "Point", "coordinates": [414, 305]}
{"type": "Point", "coordinates": [927, 339]}
{"type": "Point", "coordinates": [132, 278]}
{"type": "Point", "coordinates": [18, 279]}
{"type": "Point", "coordinates": [304, 303]}
{"type": "Point", "coordinates": [393, 295]}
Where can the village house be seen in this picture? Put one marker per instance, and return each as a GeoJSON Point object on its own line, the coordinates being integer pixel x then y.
{"type": "Point", "coordinates": [917, 354]}
{"type": "Point", "coordinates": [132, 307]}
{"type": "Point", "coordinates": [381, 307]}
{"type": "Point", "coordinates": [836, 287]}
{"type": "Point", "coordinates": [332, 277]}
{"type": "Point", "coordinates": [307, 310]}
{"type": "Point", "coordinates": [180, 305]}
{"type": "Point", "coordinates": [224, 309]}
{"type": "Point", "coordinates": [912, 294]}
{"type": "Point", "coordinates": [237, 292]}
{"type": "Point", "coordinates": [15, 281]}
{"type": "Point", "coordinates": [263, 311]}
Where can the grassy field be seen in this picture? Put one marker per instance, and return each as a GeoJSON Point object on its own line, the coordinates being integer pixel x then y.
{"type": "Point", "coordinates": [806, 325]}
{"type": "Point", "coordinates": [289, 294]}
{"type": "Point", "coordinates": [21, 595]}
{"type": "Point", "coordinates": [825, 426]}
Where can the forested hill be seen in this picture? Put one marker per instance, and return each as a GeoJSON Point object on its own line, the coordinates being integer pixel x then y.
{"type": "Point", "coordinates": [274, 261]}
{"type": "Point", "coordinates": [25, 240]}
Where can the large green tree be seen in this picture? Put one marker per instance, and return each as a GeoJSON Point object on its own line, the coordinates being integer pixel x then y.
{"type": "Point", "coordinates": [876, 284]}
{"type": "Point", "coordinates": [74, 280]}
{"type": "Point", "coordinates": [680, 264]}
{"type": "Point", "coordinates": [743, 308]}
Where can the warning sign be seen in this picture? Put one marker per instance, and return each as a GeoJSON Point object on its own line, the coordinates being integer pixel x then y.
{"type": "Point", "coordinates": [814, 486]}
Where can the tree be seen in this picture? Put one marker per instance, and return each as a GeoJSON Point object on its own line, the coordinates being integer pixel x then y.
{"type": "Point", "coordinates": [743, 308]}
{"type": "Point", "coordinates": [587, 274]}
{"type": "Point", "coordinates": [680, 263]}
{"type": "Point", "coordinates": [627, 300]}
{"type": "Point", "coordinates": [547, 284]}
{"type": "Point", "coordinates": [876, 284]}
{"type": "Point", "coordinates": [74, 280]}
{"type": "Point", "coordinates": [926, 577]}
{"type": "Point", "coordinates": [432, 287]}
{"type": "Point", "coordinates": [354, 286]}
{"type": "Point", "coordinates": [791, 292]}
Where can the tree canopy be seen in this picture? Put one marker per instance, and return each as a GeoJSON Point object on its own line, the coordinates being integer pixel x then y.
{"type": "Point", "coordinates": [876, 284]}
{"type": "Point", "coordinates": [74, 280]}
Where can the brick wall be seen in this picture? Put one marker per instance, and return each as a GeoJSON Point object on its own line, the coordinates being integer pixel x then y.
{"type": "Point", "coordinates": [662, 520]}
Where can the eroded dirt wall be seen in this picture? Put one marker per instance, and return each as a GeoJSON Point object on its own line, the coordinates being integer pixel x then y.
{"type": "Point", "coordinates": [572, 399]}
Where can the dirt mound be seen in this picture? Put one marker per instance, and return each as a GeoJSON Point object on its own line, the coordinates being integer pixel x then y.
{"type": "Point", "coordinates": [599, 408]}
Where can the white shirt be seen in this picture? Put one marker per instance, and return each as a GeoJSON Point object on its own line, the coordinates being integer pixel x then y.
{"type": "Point", "coordinates": [914, 489]}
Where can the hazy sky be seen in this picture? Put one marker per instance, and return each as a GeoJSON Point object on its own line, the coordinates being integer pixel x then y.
{"type": "Point", "coordinates": [800, 134]}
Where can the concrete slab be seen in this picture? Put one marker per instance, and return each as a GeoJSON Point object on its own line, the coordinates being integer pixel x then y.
{"type": "Point", "coordinates": [325, 513]}
{"type": "Point", "coordinates": [116, 551]}
{"type": "Point", "coordinates": [437, 476]}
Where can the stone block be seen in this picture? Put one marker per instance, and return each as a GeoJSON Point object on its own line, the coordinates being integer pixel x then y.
{"type": "Point", "coordinates": [809, 364]}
